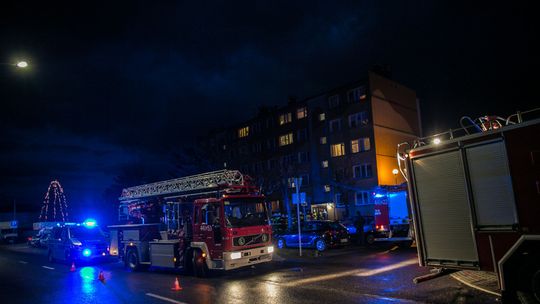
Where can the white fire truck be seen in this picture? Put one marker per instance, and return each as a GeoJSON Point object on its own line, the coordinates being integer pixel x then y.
{"type": "Point", "coordinates": [215, 220]}
{"type": "Point", "coordinates": [475, 200]}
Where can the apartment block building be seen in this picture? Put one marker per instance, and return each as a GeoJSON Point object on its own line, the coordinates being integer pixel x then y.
{"type": "Point", "coordinates": [341, 142]}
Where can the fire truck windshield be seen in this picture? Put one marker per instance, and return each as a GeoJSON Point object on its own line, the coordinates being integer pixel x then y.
{"type": "Point", "coordinates": [245, 212]}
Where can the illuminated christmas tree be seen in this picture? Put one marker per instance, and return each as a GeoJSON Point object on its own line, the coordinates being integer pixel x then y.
{"type": "Point", "coordinates": [54, 207]}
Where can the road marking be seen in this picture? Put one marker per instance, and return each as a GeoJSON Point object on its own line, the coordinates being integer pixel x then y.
{"type": "Point", "coordinates": [355, 272]}
{"type": "Point", "coordinates": [47, 267]}
{"type": "Point", "coordinates": [164, 298]}
{"type": "Point", "coordinates": [23, 262]}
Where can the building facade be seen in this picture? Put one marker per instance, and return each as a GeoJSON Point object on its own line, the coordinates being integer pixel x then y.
{"type": "Point", "coordinates": [341, 142]}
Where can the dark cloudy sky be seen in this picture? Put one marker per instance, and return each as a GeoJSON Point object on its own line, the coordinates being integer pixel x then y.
{"type": "Point", "coordinates": [118, 82]}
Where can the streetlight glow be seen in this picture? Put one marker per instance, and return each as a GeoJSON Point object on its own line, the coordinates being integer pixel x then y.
{"type": "Point", "coordinates": [22, 64]}
{"type": "Point", "coordinates": [437, 141]}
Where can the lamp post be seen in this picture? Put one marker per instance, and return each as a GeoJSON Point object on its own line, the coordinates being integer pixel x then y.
{"type": "Point", "coordinates": [395, 172]}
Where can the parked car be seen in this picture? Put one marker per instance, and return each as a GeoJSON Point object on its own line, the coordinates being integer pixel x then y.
{"type": "Point", "coordinates": [369, 230]}
{"type": "Point", "coordinates": [316, 234]}
{"type": "Point", "coordinates": [41, 239]}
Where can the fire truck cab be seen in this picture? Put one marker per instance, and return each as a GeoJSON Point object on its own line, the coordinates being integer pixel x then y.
{"type": "Point", "coordinates": [215, 220]}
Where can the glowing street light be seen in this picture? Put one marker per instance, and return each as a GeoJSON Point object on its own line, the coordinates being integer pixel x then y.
{"type": "Point", "coordinates": [395, 172]}
{"type": "Point", "coordinates": [22, 64]}
{"type": "Point", "coordinates": [437, 140]}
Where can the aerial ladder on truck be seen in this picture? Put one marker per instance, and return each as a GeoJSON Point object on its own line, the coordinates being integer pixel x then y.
{"type": "Point", "coordinates": [214, 220]}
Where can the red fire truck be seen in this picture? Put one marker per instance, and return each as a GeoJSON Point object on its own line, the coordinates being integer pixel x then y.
{"type": "Point", "coordinates": [475, 200]}
{"type": "Point", "coordinates": [215, 220]}
{"type": "Point", "coordinates": [391, 216]}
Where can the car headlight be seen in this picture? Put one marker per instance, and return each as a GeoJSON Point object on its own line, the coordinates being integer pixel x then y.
{"type": "Point", "coordinates": [270, 249]}
{"type": "Point", "coordinates": [76, 242]}
{"type": "Point", "coordinates": [236, 255]}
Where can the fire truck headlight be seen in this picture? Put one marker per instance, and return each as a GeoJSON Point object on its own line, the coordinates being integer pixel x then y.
{"type": "Point", "coordinates": [270, 249]}
{"type": "Point", "coordinates": [236, 255]}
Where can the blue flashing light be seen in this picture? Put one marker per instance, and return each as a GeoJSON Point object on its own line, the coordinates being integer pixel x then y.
{"type": "Point", "coordinates": [87, 252]}
{"type": "Point", "coordinates": [90, 223]}
{"type": "Point", "coordinates": [378, 195]}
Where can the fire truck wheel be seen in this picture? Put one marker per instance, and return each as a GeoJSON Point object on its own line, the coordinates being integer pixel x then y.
{"type": "Point", "coordinates": [281, 243]}
{"type": "Point", "coordinates": [320, 244]}
{"type": "Point", "coordinates": [132, 260]}
{"type": "Point", "coordinates": [200, 269]}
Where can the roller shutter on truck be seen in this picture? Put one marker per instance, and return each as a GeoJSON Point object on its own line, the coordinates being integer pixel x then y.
{"type": "Point", "coordinates": [457, 192]}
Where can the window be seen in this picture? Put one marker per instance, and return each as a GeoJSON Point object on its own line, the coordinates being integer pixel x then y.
{"type": "Point", "coordinates": [361, 198]}
{"type": "Point", "coordinates": [257, 127]}
{"type": "Point", "coordinates": [362, 171]}
{"type": "Point", "coordinates": [324, 164]}
{"type": "Point", "coordinates": [361, 144]}
{"type": "Point", "coordinates": [327, 188]}
{"type": "Point", "coordinates": [303, 157]}
{"type": "Point", "coordinates": [257, 147]}
{"type": "Point", "coordinates": [301, 113]}
{"type": "Point", "coordinates": [285, 118]}
{"type": "Point", "coordinates": [356, 94]}
{"type": "Point", "coordinates": [322, 117]}
{"type": "Point", "coordinates": [323, 140]}
{"type": "Point", "coordinates": [243, 132]}
{"type": "Point", "coordinates": [335, 125]}
{"type": "Point", "coordinates": [302, 135]}
{"type": "Point", "coordinates": [271, 144]}
{"type": "Point", "coordinates": [305, 179]}
{"type": "Point", "coordinates": [337, 150]}
{"type": "Point", "coordinates": [289, 159]}
{"type": "Point", "coordinates": [290, 182]}
{"type": "Point", "coordinates": [286, 139]}
{"type": "Point", "coordinates": [358, 119]}
{"type": "Point", "coordinates": [333, 101]}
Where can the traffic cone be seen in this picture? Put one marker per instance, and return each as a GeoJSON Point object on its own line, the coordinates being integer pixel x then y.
{"type": "Point", "coordinates": [101, 277]}
{"type": "Point", "coordinates": [176, 286]}
{"type": "Point", "coordinates": [72, 269]}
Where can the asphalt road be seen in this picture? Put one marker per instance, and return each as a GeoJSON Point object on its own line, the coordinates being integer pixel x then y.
{"type": "Point", "coordinates": [349, 275]}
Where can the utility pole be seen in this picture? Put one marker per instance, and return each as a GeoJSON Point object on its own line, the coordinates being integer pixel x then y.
{"type": "Point", "coordinates": [297, 185]}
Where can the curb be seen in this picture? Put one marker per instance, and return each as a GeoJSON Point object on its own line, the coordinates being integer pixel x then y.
{"type": "Point", "coordinates": [481, 280]}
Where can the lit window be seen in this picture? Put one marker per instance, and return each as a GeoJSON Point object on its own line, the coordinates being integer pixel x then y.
{"type": "Point", "coordinates": [285, 118]}
{"type": "Point", "coordinates": [337, 150]}
{"type": "Point", "coordinates": [358, 119]}
{"type": "Point", "coordinates": [243, 132]}
{"type": "Point", "coordinates": [327, 188]}
{"type": "Point", "coordinates": [322, 117]}
{"type": "Point", "coordinates": [335, 125]}
{"type": "Point", "coordinates": [362, 171]}
{"type": "Point", "coordinates": [361, 198]}
{"type": "Point", "coordinates": [356, 94]}
{"type": "Point", "coordinates": [323, 140]}
{"type": "Point", "coordinates": [361, 144]}
{"type": "Point", "coordinates": [301, 113]}
{"type": "Point", "coordinates": [286, 139]}
{"type": "Point", "coordinates": [324, 164]}
{"type": "Point", "coordinates": [333, 101]}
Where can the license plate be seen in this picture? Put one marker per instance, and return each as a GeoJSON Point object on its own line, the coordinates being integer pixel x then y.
{"type": "Point", "coordinates": [344, 240]}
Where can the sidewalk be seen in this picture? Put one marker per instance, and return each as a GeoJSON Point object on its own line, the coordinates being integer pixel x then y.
{"type": "Point", "coordinates": [481, 280]}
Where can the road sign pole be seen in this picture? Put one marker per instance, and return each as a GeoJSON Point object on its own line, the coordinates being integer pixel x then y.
{"type": "Point", "coordinates": [297, 185]}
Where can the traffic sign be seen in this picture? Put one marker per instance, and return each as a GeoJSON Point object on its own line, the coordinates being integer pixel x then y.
{"type": "Point", "coordinates": [302, 198]}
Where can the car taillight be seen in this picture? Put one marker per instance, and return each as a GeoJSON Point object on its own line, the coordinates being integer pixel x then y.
{"type": "Point", "coordinates": [29, 238]}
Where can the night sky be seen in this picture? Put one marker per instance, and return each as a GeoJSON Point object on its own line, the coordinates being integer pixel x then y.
{"type": "Point", "coordinates": [118, 85]}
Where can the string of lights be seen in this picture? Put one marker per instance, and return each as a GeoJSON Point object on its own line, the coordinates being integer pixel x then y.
{"type": "Point", "coordinates": [58, 202]}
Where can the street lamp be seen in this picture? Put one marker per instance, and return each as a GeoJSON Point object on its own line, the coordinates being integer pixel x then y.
{"type": "Point", "coordinates": [395, 172]}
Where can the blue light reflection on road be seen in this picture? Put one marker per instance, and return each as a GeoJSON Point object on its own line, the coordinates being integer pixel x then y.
{"type": "Point", "coordinates": [88, 279]}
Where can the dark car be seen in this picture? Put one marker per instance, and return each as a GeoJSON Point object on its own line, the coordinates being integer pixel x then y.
{"type": "Point", "coordinates": [316, 234]}
{"type": "Point", "coordinates": [77, 242]}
